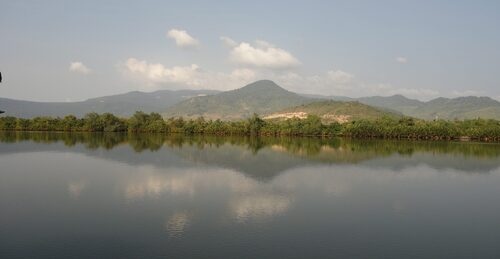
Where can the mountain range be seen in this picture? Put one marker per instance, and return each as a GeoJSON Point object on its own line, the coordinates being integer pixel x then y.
{"type": "Point", "coordinates": [263, 97]}
{"type": "Point", "coordinates": [121, 105]}
{"type": "Point", "coordinates": [470, 107]}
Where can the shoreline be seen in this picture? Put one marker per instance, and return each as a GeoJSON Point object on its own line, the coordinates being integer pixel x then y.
{"type": "Point", "coordinates": [484, 130]}
{"type": "Point", "coordinates": [462, 139]}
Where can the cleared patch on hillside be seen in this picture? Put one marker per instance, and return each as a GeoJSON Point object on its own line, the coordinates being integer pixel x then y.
{"type": "Point", "coordinates": [332, 111]}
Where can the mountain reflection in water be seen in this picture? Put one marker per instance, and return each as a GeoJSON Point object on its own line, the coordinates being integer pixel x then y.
{"type": "Point", "coordinates": [147, 195]}
{"type": "Point", "coordinates": [274, 154]}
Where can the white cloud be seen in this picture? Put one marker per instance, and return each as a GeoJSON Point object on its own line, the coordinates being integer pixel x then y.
{"type": "Point", "coordinates": [340, 77]}
{"type": "Point", "coordinates": [402, 60]}
{"type": "Point", "coordinates": [333, 82]}
{"type": "Point", "coordinates": [468, 93]}
{"type": "Point", "coordinates": [243, 74]}
{"type": "Point", "coordinates": [341, 83]}
{"type": "Point", "coordinates": [262, 44]}
{"type": "Point", "coordinates": [230, 43]}
{"type": "Point", "coordinates": [159, 73]}
{"type": "Point", "coordinates": [155, 76]}
{"type": "Point", "coordinates": [79, 67]}
{"type": "Point", "coordinates": [263, 55]}
{"type": "Point", "coordinates": [182, 38]}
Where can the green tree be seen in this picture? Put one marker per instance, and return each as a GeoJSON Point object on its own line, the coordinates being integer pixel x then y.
{"type": "Point", "coordinates": [255, 124]}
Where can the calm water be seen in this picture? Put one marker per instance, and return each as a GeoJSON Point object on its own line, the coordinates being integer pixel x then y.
{"type": "Point", "coordinates": [143, 196]}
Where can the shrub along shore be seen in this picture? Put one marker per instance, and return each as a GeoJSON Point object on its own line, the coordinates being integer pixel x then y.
{"type": "Point", "coordinates": [389, 128]}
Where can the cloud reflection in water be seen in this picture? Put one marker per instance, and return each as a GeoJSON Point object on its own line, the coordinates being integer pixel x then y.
{"type": "Point", "coordinates": [259, 206]}
{"type": "Point", "coordinates": [75, 189]}
{"type": "Point", "coordinates": [177, 223]}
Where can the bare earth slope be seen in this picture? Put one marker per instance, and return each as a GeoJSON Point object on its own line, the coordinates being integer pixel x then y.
{"type": "Point", "coordinates": [333, 111]}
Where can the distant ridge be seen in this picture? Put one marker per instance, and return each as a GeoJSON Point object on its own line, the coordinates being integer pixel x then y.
{"type": "Point", "coordinates": [262, 97]}
{"type": "Point", "coordinates": [397, 103]}
{"type": "Point", "coordinates": [470, 107]}
{"type": "Point", "coordinates": [121, 105]}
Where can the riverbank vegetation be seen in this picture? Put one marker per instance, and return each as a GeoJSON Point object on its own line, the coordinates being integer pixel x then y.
{"type": "Point", "coordinates": [325, 149]}
{"type": "Point", "coordinates": [386, 127]}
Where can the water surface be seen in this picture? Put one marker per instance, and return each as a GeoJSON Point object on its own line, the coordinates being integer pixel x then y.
{"type": "Point", "coordinates": [140, 196]}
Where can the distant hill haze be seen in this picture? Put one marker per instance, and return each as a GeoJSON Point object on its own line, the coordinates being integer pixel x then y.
{"type": "Point", "coordinates": [263, 97]}
{"type": "Point", "coordinates": [469, 107]}
{"type": "Point", "coordinates": [123, 105]}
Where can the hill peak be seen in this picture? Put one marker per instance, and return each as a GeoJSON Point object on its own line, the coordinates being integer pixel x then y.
{"type": "Point", "coordinates": [400, 96]}
{"type": "Point", "coordinates": [261, 97]}
{"type": "Point", "coordinates": [263, 84]}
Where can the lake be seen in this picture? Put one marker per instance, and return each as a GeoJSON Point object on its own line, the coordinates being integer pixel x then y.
{"type": "Point", "coordinates": [141, 196]}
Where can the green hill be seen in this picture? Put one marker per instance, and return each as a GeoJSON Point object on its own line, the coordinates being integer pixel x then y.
{"type": "Point", "coordinates": [396, 103]}
{"type": "Point", "coordinates": [333, 111]}
{"type": "Point", "coordinates": [469, 107]}
{"type": "Point", "coordinates": [261, 97]}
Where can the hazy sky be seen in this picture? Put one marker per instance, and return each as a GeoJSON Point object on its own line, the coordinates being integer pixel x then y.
{"type": "Point", "coordinates": [73, 50]}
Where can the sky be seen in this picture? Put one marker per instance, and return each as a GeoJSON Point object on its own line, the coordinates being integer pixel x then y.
{"type": "Point", "coordinates": [74, 50]}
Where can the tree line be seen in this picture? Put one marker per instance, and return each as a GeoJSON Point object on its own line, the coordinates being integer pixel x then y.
{"type": "Point", "coordinates": [351, 150]}
{"type": "Point", "coordinates": [386, 127]}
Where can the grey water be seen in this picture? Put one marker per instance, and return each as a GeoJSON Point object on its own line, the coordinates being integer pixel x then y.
{"type": "Point", "coordinates": [74, 195]}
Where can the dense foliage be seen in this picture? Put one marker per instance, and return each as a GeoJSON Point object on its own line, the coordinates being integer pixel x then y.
{"type": "Point", "coordinates": [387, 127]}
